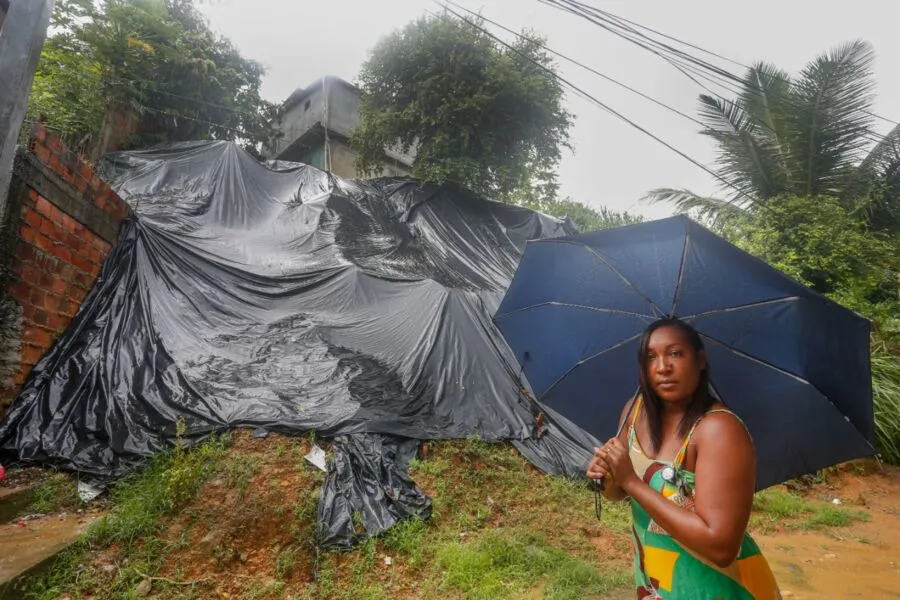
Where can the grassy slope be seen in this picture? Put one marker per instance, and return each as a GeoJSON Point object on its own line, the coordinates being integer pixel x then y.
{"type": "Point", "coordinates": [239, 523]}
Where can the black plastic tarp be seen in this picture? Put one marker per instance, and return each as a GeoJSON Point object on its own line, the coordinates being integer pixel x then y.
{"type": "Point", "coordinates": [278, 296]}
{"type": "Point", "coordinates": [367, 476]}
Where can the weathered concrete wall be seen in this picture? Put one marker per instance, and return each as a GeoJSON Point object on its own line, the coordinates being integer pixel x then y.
{"type": "Point", "coordinates": [305, 113]}
{"type": "Point", "coordinates": [343, 106]}
{"type": "Point", "coordinates": [303, 110]}
{"type": "Point", "coordinates": [62, 222]}
{"type": "Point", "coordinates": [342, 159]}
{"type": "Point", "coordinates": [343, 163]}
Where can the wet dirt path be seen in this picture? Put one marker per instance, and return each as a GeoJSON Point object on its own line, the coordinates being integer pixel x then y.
{"type": "Point", "coordinates": [26, 544]}
{"type": "Point", "coordinates": [859, 561]}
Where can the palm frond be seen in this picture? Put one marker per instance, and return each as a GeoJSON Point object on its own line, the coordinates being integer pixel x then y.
{"type": "Point", "coordinates": [875, 184]}
{"type": "Point", "coordinates": [885, 152]}
{"type": "Point", "coordinates": [711, 211]}
{"type": "Point", "coordinates": [871, 170]}
{"type": "Point", "coordinates": [766, 99]}
{"type": "Point", "coordinates": [830, 110]}
{"type": "Point", "coordinates": [743, 159]}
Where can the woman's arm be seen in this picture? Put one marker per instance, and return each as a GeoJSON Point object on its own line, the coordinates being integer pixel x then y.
{"type": "Point", "coordinates": [723, 494]}
{"type": "Point", "coordinates": [611, 490]}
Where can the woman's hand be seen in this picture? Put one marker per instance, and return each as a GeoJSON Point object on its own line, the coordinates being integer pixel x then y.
{"type": "Point", "coordinates": [596, 469]}
{"type": "Point", "coordinates": [613, 459]}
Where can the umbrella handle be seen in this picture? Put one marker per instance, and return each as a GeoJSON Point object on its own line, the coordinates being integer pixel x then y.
{"type": "Point", "coordinates": [598, 504]}
{"type": "Point", "coordinates": [597, 486]}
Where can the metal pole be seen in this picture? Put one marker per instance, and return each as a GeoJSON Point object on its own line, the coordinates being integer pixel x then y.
{"type": "Point", "coordinates": [327, 157]}
{"type": "Point", "coordinates": [21, 39]}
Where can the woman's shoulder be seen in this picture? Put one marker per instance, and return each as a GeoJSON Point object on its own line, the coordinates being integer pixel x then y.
{"type": "Point", "coordinates": [719, 415]}
{"type": "Point", "coordinates": [719, 408]}
{"type": "Point", "coordinates": [720, 425]}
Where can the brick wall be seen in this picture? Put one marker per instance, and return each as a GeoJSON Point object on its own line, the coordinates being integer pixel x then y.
{"type": "Point", "coordinates": [120, 122]}
{"type": "Point", "coordinates": [62, 222]}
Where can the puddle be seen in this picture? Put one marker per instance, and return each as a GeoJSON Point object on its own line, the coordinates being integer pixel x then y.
{"type": "Point", "coordinates": [860, 561]}
{"type": "Point", "coordinates": [26, 546]}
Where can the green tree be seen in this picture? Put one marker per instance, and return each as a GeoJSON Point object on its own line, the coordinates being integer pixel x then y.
{"type": "Point", "coordinates": [822, 244]}
{"type": "Point", "coordinates": [581, 215]}
{"type": "Point", "coordinates": [484, 115]}
{"type": "Point", "coordinates": [67, 93]}
{"type": "Point", "coordinates": [157, 59]}
{"type": "Point", "coordinates": [807, 136]}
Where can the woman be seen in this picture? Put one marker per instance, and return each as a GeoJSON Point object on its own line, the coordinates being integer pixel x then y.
{"type": "Point", "coordinates": [688, 465]}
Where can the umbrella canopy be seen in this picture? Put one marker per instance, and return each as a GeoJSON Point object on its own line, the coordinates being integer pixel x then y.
{"type": "Point", "coordinates": [791, 363]}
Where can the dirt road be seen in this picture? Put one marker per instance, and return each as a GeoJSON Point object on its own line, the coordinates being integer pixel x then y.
{"type": "Point", "coordinates": [859, 561]}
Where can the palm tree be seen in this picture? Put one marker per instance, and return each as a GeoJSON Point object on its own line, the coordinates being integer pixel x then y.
{"type": "Point", "coordinates": [808, 136]}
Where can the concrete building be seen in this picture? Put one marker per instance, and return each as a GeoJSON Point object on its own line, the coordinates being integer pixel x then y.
{"type": "Point", "coordinates": [316, 128]}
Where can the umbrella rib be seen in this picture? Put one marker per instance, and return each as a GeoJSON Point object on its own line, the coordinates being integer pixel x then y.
{"type": "Point", "coordinates": [802, 380]}
{"type": "Point", "coordinates": [687, 240]}
{"type": "Point", "coordinates": [716, 393]}
{"type": "Point", "coordinates": [755, 359]}
{"type": "Point", "coordinates": [588, 359]}
{"type": "Point", "coordinates": [741, 307]}
{"type": "Point", "coordinates": [569, 305]}
{"type": "Point", "coordinates": [659, 312]}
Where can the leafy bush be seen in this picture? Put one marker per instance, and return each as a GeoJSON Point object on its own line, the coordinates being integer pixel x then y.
{"type": "Point", "coordinates": [825, 245]}
{"type": "Point", "coordinates": [886, 393]}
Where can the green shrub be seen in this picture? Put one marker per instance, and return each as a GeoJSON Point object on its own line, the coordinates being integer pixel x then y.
{"type": "Point", "coordinates": [886, 396]}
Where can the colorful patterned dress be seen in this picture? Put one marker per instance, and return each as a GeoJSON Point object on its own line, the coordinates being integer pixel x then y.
{"type": "Point", "coordinates": [663, 568]}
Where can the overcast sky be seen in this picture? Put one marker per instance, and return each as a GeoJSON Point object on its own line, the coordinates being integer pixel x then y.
{"type": "Point", "coordinates": [613, 164]}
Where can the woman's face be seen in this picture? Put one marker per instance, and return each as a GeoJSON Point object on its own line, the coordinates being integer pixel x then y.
{"type": "Point", "coordinates": [673, 367]}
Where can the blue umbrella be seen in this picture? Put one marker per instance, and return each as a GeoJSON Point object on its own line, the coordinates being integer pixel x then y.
{"type": "Point", "coordinates": [791, 363]}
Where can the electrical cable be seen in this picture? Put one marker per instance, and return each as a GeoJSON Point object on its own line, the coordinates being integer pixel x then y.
{"type": "Point", "coordinates": [610, 22]}
{"type": "Point", "coordinates": [582, 65]}
{"type": "Point", "coordinates": [569, 85]}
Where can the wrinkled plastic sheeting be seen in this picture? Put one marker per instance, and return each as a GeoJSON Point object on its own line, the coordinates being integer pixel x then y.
{"type": "Point", "coordinates": [278, 296]}
{"type": "Point", "coordinates": [560, 448]}
{"type": "Point", "coordinates": [368, 476]}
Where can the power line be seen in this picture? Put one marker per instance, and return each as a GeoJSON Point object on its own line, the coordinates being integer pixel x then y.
{"type": "Point", "coordinates": [880, 118]}
{"type": "Point", "coordinates": [582, 65]}
{"type": "Point", "coordinates": [674, 39]}
{"type": "Point", "coordinates": [148, 83]}
{"type": "Point", "coordinates": [613, 23]}
{"type": "Point", "coordinates": [688, 65]}
{"type": "Point", "coordinates": [610, 24]}
{"type": "Point", "coordinates": [691, 67]}
{"type": "Point", "coordinates": [597, 102]}
{"type": "Point", "coordinates": [705, 51]}
{"type": "Point", "coordinates": [161, 112]}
